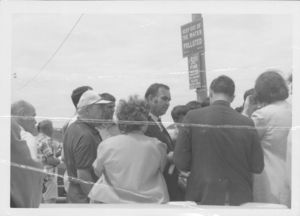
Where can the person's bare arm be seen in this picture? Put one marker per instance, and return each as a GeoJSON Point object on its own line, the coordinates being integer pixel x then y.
{"type": "Point", "coordinates": [85, 180]}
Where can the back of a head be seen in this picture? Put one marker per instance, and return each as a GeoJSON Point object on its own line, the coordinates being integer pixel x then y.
{"type": "Point", "coordinates": [224, 85]}
{"type": "Point", "coordinates": [153, 89]}
{"type": "Point", "coordinates": [270, 87]}
{"type": "Point", "coordinates": [132, 114]}
{"type": "Point", "coordinates": [76, 93]}
{"type": "Point", "coordinates": [45, 127]}
{"type": "Point", "coordinates": [177, 111]}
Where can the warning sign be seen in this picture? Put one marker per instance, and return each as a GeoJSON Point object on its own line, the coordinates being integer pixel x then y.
{"type": "Point", "coordinates": [192, 37]}
{"type": "Point", "coordinates": [197, 77]}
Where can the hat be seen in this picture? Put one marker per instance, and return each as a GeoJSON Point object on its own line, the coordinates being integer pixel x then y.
{"type": "Point", "coordinates": [90, 97]}
{"type": "Point", "coordinates": [76, 93]}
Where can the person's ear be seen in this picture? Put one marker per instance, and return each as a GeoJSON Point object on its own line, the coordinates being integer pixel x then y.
{"type": "Point", "coordinates": [151, 99]}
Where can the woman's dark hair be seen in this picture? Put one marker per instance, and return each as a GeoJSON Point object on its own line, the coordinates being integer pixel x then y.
{"type": "Point", "coordinates": [270, 87]}
{"type": "Point", "coordinates": [193, 105]}
{"type": "Point", "coordinates": [177, 111]}
{"type": "Point", "coordinates": [132, 114]}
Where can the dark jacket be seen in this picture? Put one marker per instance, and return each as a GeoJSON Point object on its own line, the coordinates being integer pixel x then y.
{"type": "Point", "coordinates": [153, 130]}
{"type": "Point", "coordinates": [26, 174]}
{"type": "Point", "coordinates": [221, 149]}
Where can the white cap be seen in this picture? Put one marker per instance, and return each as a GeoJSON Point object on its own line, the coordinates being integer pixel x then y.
{"type": "Point", "coordinates": [90, 97]}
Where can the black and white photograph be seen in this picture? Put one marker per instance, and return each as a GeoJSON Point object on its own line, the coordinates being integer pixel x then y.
{"type": "Point", "coordinates": [187, 111]}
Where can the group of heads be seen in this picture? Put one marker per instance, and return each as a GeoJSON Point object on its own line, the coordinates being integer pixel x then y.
{"type": "Point", "coordinates": [93, 107]}
{"type": "Point", "coordinates": [269, 87]}
{"type": "Point", "coordinates": [178, 112]}
{"type": "Point", "coordinates": [23, 113]}
{"type": "Point", "coordinates": [131, 114]}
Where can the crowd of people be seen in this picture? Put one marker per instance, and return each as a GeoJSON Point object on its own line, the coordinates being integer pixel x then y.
{"type": "Point", "coordinates": [122, 153]}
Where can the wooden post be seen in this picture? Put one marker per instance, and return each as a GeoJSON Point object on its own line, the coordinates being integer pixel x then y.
{"type": "Point", "coordinates": [201, 92]}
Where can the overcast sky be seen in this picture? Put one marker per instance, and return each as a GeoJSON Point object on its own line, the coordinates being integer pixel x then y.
{"type": "Point", "coordinates": [123, 54]}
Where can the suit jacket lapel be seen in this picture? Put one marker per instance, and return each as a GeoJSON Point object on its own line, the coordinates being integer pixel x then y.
{"type": "Point", "coordinates": [162, 135]}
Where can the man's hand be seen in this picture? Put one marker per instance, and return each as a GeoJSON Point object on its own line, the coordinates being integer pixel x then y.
{"type": "Point", "coordinates": [250, 106]}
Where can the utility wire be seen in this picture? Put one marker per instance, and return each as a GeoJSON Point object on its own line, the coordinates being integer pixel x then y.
{"type": "Point", "coordinates": [55, 52]}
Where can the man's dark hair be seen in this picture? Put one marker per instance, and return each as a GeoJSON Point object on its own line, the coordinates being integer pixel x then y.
{"type": "Point", "coordinates": [108, 96]}
{"type": "Point", "coordinates": [177, 111]}
{"type": "Point", "coordinates": [153, 89]}
{"type": "Point", "coordinates": [45, 127]}
{"type": "Point", "coordinates": [193, 105]}
{"type": "Point", "coordinates": [206, 102]}
{"type": "Point", "coordinates": [223, 84]}
{"type": "Point", "coordinates": [76, 93]}
{"type": "Point", "coordinates": [270, 87]}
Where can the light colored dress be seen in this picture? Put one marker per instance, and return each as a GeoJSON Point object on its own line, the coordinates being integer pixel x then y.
{"type": "Point", "coordinates": [130, 168]}
{"type": "Point", "coordinates": [273, 123]}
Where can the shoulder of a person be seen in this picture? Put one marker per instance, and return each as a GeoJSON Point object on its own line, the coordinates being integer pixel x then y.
{"type": "Point", "coordinates": [272, 109]}
{"type": "Point", "coordinates": [196, 112]}
{"type": "Point", "coordinates": [78, 128]}
{"type": "Point", "coordinates": [244, 119]}
{"type": "Point", "coordinates": [155, 141]}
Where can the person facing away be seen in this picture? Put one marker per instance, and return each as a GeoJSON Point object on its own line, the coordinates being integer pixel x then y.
{"type": "Point", "coordinates": [25, 182]}
{"type": "Point", "coordinates": [130, 165]}
{"type": "Point", "coordinates": [221, 149]}
{"type": "Point", "coordinates": [80, 145]}
{"type": "Point", "coordinates": [178, 112]}
{"type": "Point", "coordinates": [272, 115]}
{"type": "Point", "coordinates": [47, 148]}
{"type": "Point", "coordinates": [158, 98]}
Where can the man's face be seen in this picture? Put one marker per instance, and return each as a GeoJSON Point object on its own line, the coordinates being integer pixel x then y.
{"type": "Point", "coordinates": [109, 110]}
{"type": "Point", "coordinates": [28, 120]}
{"type": "Point", "coordinates": [159, 104]}
{"type": "Point", "coordinates": [101, 112]}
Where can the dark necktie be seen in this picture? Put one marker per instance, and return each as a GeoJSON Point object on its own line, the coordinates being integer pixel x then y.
{"type": "Point", "coordinates": [160, 124]}
{"type": "Point", "coordinates": [163, 129]}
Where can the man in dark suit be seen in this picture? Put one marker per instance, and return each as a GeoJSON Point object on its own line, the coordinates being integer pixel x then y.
{"type": "Point", "coordinates": [220, 148]}
{"type": "Point", "coordinates": [158, 97]}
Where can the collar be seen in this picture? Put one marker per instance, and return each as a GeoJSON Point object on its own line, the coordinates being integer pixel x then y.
{"type": "Point", "coordinates": [22, 129]}
{"type": "Point", "coordinates": [221, 102]}
{"type": "Point", "coordinates": [154, 117]}
{"type": "Point", "coordinates": [89, 125]}
{"type": "Point", "coordinates": [156, 120]}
